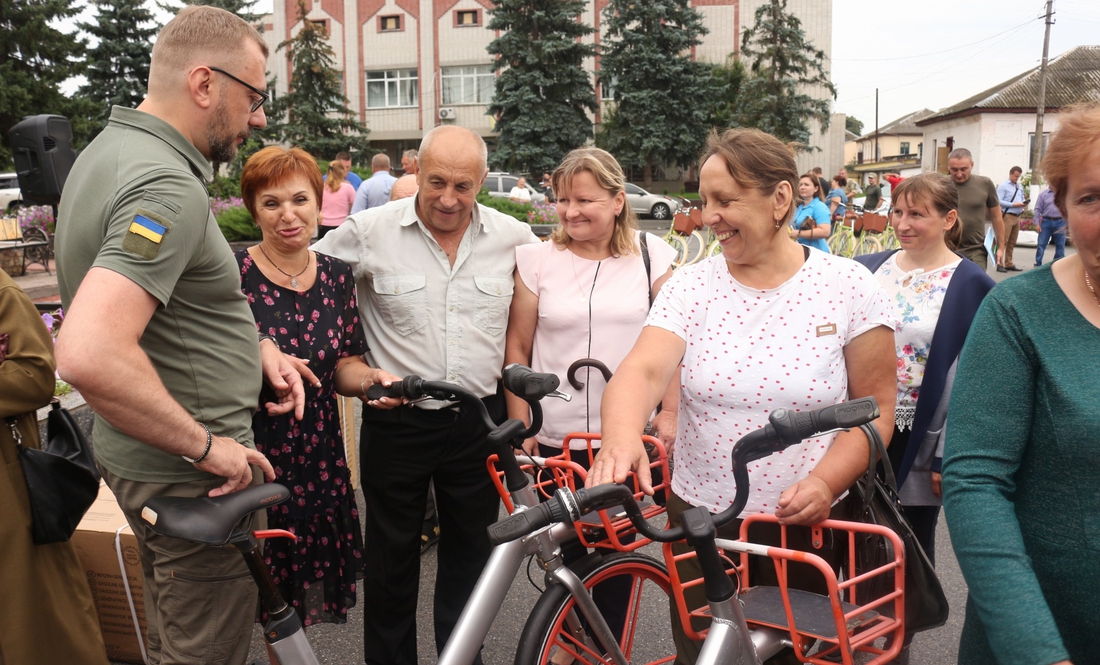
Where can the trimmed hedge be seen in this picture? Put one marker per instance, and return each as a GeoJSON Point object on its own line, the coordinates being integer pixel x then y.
{"type": "Point", "coordinates": [237, 225]}
{"type": "Point", "coordinates": [517, 210]}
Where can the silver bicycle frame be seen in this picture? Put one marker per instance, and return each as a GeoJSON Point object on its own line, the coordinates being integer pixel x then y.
{"type": "Point", "coordinates": [496, 579]}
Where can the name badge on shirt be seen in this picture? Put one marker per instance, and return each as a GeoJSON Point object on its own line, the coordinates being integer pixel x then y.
{"type": "Point", "coordinates": [827, 329]}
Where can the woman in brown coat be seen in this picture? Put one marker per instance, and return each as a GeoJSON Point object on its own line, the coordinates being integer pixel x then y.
{"type": "Point", "coordinates": [47, 615]}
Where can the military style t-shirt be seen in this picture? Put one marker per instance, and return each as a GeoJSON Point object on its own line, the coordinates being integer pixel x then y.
{"type": "Point", "coordinates": [976, 196]}
{"type": "Point", "coordinates": [136, 203]}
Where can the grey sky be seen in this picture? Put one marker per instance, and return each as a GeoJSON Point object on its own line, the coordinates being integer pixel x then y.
{"type": "Point", "coordinates": [934, 53]}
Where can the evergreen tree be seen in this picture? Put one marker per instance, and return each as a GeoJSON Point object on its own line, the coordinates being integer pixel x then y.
{"type": "Point", "coordinates": [656, 117]}
{"type": "Point", "coordinates": [728, 78]}
{"type": "Point", "coordinates": [314, 114]}
{"type": "Point", "coordinates": [118, 66]}
{"type": "Point", "coordinates": [784, 65]}
{"type": "Point", "coordinates": [243, 8]}
{"type": "Point", "coordinates": [853, 125]}
{"type": "Point", "coordinates": [35, 57]}
{"type": "Point", "coordinates": [543, 95]}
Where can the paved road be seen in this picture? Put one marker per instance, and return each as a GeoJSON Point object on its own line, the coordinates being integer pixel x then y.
{"type": "Point", "coordinates": [343, 644]}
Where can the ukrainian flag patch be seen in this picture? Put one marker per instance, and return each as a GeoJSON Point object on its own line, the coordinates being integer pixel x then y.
{"type": "Point", "coordinates": [145, 234]}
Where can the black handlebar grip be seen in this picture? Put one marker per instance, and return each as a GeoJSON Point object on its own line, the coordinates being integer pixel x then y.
{"type": "Point", "coordinates": [523, 523]}
{"type": "Point", "coordinates": [409, 387]}
{"type": "Point", "coordinates": [526, 383]}
{"type": "Point", "coordinates": [792, 427]}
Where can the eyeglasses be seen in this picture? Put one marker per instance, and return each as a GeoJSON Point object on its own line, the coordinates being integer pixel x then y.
{"type": "Point", "coordinates": [263, 95]}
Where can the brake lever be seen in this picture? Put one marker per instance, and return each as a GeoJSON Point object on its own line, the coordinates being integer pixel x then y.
{"type": "Point", "coordinates": [560, 395]}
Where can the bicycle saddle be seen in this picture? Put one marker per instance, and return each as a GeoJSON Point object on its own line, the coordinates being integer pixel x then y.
{"type": "Point", "coordinates": [209, 520]}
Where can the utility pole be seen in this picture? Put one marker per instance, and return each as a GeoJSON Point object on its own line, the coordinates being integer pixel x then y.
{"type": "Point", "coordinates": [876, 125]}
{"type": "Point", "coordinates": [1037, 148]}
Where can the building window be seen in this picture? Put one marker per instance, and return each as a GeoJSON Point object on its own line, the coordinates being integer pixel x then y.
{"type": "Point", "coordinates": [321, 23]}
{"type": "Point", "coordinates": [391, 88]}
{"type": "Point", "coordinates": [905, 147]}
{"type": "Point", "coordinates": [389, 23]}
{"type": "Point", "coordinates": [468, 85]}
{"type": "Point", "coordinates": [1031, 147]}
{"type": "Point", "coordinates": [607, 87]}
{"type": "Point", "coordinates": [467, 17]}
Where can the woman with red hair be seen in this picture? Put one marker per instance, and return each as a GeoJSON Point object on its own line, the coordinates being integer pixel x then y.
{"type": "Point", "coordinates": [306, 302]}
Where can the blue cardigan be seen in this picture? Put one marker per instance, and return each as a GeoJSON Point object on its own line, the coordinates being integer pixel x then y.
{"type": "Point", "coordinates": [968, 287]}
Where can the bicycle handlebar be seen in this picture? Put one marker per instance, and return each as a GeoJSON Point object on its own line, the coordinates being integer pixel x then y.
{"type": "Point", "coordinates": [784, 429]}
{"type": "Point", "coordinates": [524, 382]}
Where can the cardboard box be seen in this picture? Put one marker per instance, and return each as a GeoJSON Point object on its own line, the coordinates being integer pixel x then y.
{"type": "Point", "coordinates": [96, 546]}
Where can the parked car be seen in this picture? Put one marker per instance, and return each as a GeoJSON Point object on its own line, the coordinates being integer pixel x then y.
{"type": "Point", "coordinates": [499, 184]}
{"type": "Point", "coordinates": [656, 206]}
{"type": "Point", "coordinates": [10, 196]}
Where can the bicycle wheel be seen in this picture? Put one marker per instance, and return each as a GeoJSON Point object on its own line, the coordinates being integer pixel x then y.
{"type": "Point", "coordinates": [868, 244]}
{"type": "Point", "coordinates": [676, 242]}
{"type": "Point", "coordinates": [555, 622]}
{"type": "Point", "coordinates": [696, 244]}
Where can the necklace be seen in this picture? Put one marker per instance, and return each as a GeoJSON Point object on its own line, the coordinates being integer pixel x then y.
{"type": "Point", "coordinates": [294, 277]}
{"type": "Point", "coordinates": [577, 280]}
{"type": "Point", "coordinates": [1088, 283]}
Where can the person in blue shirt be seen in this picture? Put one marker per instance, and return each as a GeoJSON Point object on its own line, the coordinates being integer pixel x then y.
{"type": "Point", "coordinates": [353, 178]}
{"type": "Point", "coordinates": [811, 225]}
{"type": "Point", "coordinates": [837, 200]}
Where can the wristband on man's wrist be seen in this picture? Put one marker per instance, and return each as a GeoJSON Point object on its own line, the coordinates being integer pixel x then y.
{"type": "Point", "coordinates": [265, 336]}
{"type": "Point", "coordinates": [206, 451]}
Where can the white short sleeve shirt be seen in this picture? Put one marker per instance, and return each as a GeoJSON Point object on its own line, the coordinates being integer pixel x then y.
{"type": "Point", "coordinates": [750, 351]}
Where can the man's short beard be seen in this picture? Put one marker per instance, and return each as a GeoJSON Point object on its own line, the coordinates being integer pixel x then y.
{"type": "Point", "coordinates": [223, 147]}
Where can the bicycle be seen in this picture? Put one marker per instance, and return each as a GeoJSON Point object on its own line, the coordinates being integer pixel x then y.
{"type": "Point", "coordinates": [855, 234]}
{"type": "Point", "coordinates": [520, 493]}
{"type": "Point", "coordinates": [225, 520]}
{"type": "Point", "coordinates": [732, 606]}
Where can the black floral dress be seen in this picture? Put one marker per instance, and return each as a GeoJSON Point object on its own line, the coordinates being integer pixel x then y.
{"type": "Point", "coordinates": [317, 573]}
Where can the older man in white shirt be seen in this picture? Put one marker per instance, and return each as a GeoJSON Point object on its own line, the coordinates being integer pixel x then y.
{"type": "Point", "coordinates": [434, 280]}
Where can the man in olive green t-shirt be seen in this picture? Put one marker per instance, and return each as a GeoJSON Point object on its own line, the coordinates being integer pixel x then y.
{"type": "Point", "coordinates": [158, 337]}
{"type": "Point", "coordinates": [977, 199]}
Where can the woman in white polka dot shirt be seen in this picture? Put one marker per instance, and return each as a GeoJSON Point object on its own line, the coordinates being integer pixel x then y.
{"type": "Point", "coordinates": [768, 324]}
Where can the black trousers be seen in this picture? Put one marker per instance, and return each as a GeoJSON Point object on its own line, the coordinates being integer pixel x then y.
{"type": "Point", "coordinates": [401, 452]}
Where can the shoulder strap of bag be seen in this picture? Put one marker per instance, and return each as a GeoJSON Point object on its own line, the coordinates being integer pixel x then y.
{"type": "Point", "coordinates": [648, 269]}
{"type": "Point", "coordinates": [877, 452]}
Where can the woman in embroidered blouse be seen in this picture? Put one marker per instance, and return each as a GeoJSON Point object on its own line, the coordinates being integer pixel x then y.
{"type": "Point", "coordinates": [767, 324]}
{"type": "Point", "coordinates": [936, 294]}
{"type": "Point", "coordinates": [306, 301]}
{"type": "Point", "coordinates": [811, 226]}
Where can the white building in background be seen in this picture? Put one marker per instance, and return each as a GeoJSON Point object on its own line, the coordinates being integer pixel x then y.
{"type": "Point", "coordinates": [410, 65]}
{"type": "Point", "coordinates": [998, 125]}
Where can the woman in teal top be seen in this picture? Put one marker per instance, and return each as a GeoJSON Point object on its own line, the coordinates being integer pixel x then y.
{"type": "Point", "coordinates": [810, 225]}
{"type": "Point", "coordinates": [1021, 476]}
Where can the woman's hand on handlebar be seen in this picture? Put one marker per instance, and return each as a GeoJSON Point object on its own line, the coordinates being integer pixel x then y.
{"type": "Point", "coordinates": [806, 502]}
{"type": "Point", "coordinates": [386, 379]}
{"type": "Point", "coordinates": [616, 460]}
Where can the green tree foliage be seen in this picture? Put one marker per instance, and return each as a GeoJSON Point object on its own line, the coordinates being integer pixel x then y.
{"type": "Point", "coordinates": [728, 78]}
{"type": "Point", "coordinates": [656, 117]}
{"type": "Point", "coordinates": [784, 65]}
{"type": "Point", "coordinates": [542, 94]}
{"type": "Point", "coordinates": [314, 115]}
{"type": "Point", "coordinates": [117, 68]}
{"type": "Point", "coordinates": [243, 8]}
{"type": "Point", "coordinates": [853, 125]}
{"type": "Point", "coordinates": [35, 57]}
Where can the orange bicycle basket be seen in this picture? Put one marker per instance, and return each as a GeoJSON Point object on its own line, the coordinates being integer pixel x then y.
{"type": "Point", "coordinates": [840, 626]}
{"type": "Point", "coordinates": [606, 528]}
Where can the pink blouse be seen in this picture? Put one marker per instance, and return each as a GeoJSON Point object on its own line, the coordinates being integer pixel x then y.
{"type": "Point", "coordinates": [336, 206]}
{"type": "Point", "coordinates": [587, 309]}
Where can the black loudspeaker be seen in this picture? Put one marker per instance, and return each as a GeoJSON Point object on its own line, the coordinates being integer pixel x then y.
{"type": "Point", "coordinates": [42, 146]}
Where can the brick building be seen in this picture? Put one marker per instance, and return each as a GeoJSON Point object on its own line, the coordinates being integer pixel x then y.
{"type": "Point", "coordinates": [410, 65]}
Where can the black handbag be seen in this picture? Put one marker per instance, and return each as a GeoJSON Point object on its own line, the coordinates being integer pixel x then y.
{"type": "Point", "coordinates": [62, 479]}
{"type": "Point", "coordinates": [874, 500]}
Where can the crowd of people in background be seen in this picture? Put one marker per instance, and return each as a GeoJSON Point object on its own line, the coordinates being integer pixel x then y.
{"type": "Point", "coordinates": [210, 372]}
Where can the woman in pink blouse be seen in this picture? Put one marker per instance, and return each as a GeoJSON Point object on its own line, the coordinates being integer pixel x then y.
{"type": "Point", "coordinates": [584, 294]}
{"type": "Point", "coordinates": [337, 199]}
